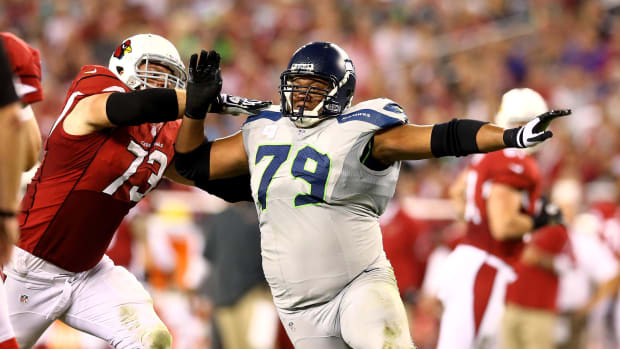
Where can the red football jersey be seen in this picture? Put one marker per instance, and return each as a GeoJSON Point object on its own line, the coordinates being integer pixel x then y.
{"type": "Point", "coordinates": [26, 63]}
{"type": "Point", "coordinates": [553, 240]}
{"type": "Point", "coordinates": [511, 167]}
{"type": "Point", "coordinates": [87, 184]}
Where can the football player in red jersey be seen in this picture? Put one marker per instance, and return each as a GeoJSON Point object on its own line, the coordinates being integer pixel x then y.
{"type": "Point", "coordinates": [110, 146]}
{"type": "Point", "coordinates": [23, 144]}
{"type": "Point", "coordinates": [496, 195]}
{"type": "Point", "coordinates": [10, 171]}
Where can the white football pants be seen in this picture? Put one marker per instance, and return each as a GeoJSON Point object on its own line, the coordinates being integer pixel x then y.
{"type": "Point", "coordinates": [106, 301]}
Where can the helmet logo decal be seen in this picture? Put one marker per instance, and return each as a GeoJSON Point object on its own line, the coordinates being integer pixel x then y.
{"type": "Point", "coordinates": [125, 47]}
{"type": "Point", "coordinates": [303, 66]}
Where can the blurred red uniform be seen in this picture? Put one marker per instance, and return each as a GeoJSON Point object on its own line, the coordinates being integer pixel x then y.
{"type": "Point", "coordinates": [407, 244]}
{"type": "Point", "coordinates": [478, 270]}
{"type": "Point", "coordinates": [26, 64]}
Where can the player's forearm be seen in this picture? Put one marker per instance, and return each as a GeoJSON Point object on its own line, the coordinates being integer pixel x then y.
{"type": "Point", "coordinates": [513, 227]}
{"type": "Point", "coordinates": [490, 138]}
{"type": "Point", "coordinates": [191, 135]}
{"type": "Point", "coordinates": [11, 156]}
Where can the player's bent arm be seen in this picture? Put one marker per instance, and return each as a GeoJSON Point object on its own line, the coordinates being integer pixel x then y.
{"type": "Point", "coordinates": [11, 156]}
{"type": "Point", "coordinates": [106, 110]}
{"type": "Point", "coordinates": [504, 213]}
{"type": "Point", "coordinates": [533, 255]}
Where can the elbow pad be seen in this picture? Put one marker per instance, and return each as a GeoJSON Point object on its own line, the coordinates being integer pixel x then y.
{"type": "Point", "coordinates": [455, 138]}
{"type": "Point", "coordinates": [230, 189]}
{"type": "Point", "coordinates": [195, 165]}
{"type": "Point", "coordinates": [142, 106]}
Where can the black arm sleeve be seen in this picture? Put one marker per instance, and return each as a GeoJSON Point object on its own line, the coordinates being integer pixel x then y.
{"type": "Point", "coordinates": [138, 107]}
{"type": "Point", "coordinates": [195, 166]}
{"type": "Point", "coordinates": [7, 94]}
{"type": "Point", "coordinates": [230, 189]}
{"type": "Point", "coordinates": [456, 137]}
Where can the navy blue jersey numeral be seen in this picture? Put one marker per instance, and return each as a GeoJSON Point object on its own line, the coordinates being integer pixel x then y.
{"type": "Point", "coordinates": [280, 154]}
{"type": "Point", "coordinates": [309, 165]}
{"type": "Point", "coordinates": [313, 167]}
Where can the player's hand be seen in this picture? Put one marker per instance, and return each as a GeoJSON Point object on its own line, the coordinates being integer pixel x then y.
{"type": "Point", "coordinates": [9, 233]}
{"type": "Point", "coordinates": [534, 131]}
{"type": "Point", "coordinates": [204, 84]}
{"type": "Point", "coordinates": [547, 213]}
{"type": "Point", "coordinates": [227, 104]}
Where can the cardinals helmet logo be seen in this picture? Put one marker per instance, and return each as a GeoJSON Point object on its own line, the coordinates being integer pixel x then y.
{"type": "Point", "coordinates": [125, 47]}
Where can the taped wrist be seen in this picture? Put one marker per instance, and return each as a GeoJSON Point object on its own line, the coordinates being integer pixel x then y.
{"type": "Point", "coordinates": [142, 106]}
{"type": "Point", "coordinates": [511, 138]}
{"type": "Point", "coordinates": [195, 164]}
{"type": "Point", "coordinates": [455, 138]}
{"type": "Point", "coordinates": [234, 189]}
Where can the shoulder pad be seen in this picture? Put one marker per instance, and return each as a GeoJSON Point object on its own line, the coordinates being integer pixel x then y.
{"type": "Point", "coordinates": [381, 112]}
{"type": "Point", "coordinates": [94, 79]}
{"type": "Point", "coordinates": [272, 113]}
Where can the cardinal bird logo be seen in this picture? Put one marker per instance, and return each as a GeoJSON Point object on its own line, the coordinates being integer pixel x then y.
{"type": "Point", "coordinates": [125, 47]}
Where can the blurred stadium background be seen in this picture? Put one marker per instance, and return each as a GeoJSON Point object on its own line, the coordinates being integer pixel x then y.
{"type": "Point", "coordinates": [439, 59]}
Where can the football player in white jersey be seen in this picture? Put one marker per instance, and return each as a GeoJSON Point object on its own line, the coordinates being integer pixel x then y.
{"type": "Point", "coordinates": [322, 171]}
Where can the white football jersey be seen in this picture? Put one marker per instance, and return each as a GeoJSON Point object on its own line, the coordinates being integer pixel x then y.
{"type": "Point", "coordinates": [318, 205]}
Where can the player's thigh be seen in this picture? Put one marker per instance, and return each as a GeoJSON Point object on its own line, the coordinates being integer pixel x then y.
{"type": "Point", "coordinates": [372, 315]}
{"type": "Point", "coordinates": [111, 304]}
{"type": "Point", "coordinates": [29, 304]}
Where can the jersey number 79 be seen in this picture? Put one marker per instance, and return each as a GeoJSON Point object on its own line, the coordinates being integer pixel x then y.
{"type": "Point", "coordinates": [308, 165]}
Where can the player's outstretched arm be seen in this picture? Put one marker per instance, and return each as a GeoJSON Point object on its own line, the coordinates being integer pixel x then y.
{"type": "Point", "coordinates": [107, 110]}
{"type": "Point", "coordinates": [458, 138]}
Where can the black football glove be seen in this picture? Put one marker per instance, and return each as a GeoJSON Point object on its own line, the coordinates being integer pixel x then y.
{"type": "Point", "coordinates": [227, 104]}
{"type": "Point", "coordinates": [534, 131]}
{"type": "Point", "coordinates": [204, 84]}
{"type": "Point", "coordinates": [547, 213]}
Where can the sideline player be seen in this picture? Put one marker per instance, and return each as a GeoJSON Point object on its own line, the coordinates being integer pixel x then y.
{"type": "Point", "coordinates": [110, 146]}
{"type": "Point", "coordinates": [497, 194]}
{"type": "Point", "coordinates": [321, 174]}
{"type": "Point", "coordinates": [25, 147]}
{"type": "Point", "coordinates": [10, 173]}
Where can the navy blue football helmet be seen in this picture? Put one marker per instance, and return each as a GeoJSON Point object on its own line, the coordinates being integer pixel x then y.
{"type": "Point", "coordinates": [324, 61]}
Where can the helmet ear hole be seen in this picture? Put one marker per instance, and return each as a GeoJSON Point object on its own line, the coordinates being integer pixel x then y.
{"type": "Point", "coordinates": [119, 70]}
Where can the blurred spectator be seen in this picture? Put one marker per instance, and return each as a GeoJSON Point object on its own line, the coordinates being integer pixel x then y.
{"type": "Point", "coordinates": [244, 312]}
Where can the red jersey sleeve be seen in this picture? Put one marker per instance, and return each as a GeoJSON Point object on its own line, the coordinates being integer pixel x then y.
{"type": "Point", "coordinates": [551, 239]}
{"type": "Point", "coordinates": [95, 79]}
{"type": "Point", "coordinates": [26, 64]}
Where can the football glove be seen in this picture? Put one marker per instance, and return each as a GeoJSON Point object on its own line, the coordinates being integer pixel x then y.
{"type": "Point", "coordinates": [534, 131]}
{"type": "Point", "coordinates": [235, 105]}
{"type": "Point", "coordinates": [547, 213]}
{"type": "Point", "coordinates": [203, 85]}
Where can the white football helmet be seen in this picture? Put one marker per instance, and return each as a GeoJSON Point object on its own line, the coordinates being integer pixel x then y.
{"type": "Point", "coordinates": [519, 105]}
{"type": "Point", "coordinates": [147, 49]}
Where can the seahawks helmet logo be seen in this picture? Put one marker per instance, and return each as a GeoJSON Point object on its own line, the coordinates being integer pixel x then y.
{"type": "Point", "coordinates": [302, 66]}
